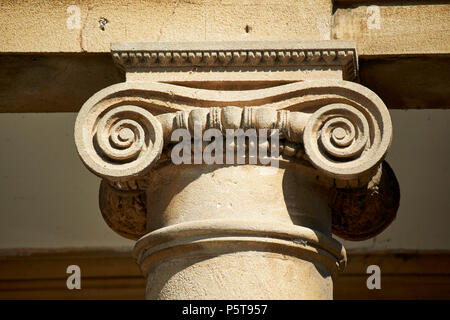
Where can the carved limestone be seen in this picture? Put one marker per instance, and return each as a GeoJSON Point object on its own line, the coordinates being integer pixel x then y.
{"type": "Point", "coordinates": [209, 225]}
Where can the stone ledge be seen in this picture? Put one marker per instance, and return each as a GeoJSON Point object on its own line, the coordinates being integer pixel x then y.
{"type": "Point", "coordinates": [258, 56]}
{"type": "Point", "coordinates": [407, 27]}
{"type": "Point", "coordinates": [410, 82]}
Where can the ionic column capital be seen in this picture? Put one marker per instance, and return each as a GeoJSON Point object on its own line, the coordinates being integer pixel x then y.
{"type": "Point", "coordinates": [345, 128]}
{"type": "Point", "coordinates": [332, 134]}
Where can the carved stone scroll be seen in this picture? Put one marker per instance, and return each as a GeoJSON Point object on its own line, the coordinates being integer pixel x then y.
{"type": "Point", "coordinates": [345, 128]}
{"type": "Point", "coordinates": [198, 224]}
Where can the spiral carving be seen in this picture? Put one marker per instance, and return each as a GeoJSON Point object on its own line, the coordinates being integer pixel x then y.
{"type": "Point", "coordinates": [346, 135]}
{"type": "Point", "coordinates": [342, 140]}
{"type": "Point", "coordinates": [123, 142]}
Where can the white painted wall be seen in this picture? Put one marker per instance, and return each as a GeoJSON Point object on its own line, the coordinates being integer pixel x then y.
{"type": "Point", "coordinates": [48, 199]}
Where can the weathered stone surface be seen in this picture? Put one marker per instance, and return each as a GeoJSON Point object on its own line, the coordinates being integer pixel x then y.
{"type": "Point", "coordinates": [363, 213]}
{"type": "Point", "coordinates": [367, 125]}
{"type": "Point", "coordinates": [203, 221]}
{"type": "Point", "coordinates": [383, 28]}
{"type": "Point", "coordinates": [207, 221]}
{"type": "Point", "coordinates": [26, 25]}
{"type": "Point", "coordinates": [406, 27]}
{"type": "Point", "coordinates": [406, 30]}
{"type": "Point", "coordinates": [124, 211]}
{"type": "Point", "coordinates": [203, 276]}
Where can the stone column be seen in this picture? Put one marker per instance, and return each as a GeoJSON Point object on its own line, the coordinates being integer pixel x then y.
{"type": "Point", "coordinates": [248, 229]}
